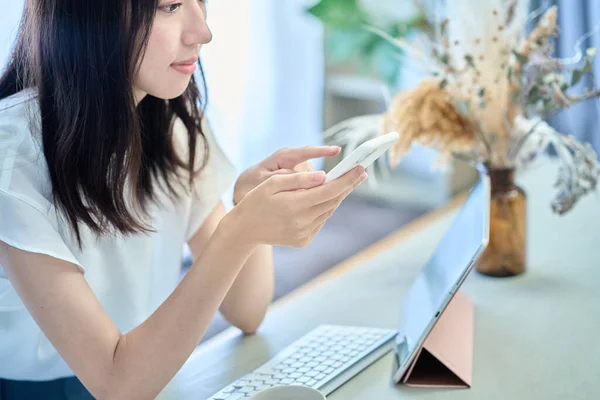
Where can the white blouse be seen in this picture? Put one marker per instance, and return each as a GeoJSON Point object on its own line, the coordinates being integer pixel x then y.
{"type": "Point", "coordinates": [130, 275]}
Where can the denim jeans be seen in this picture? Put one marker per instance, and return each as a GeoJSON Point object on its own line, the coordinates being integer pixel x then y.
{"type": "Point", "coordinates": [60, 389]}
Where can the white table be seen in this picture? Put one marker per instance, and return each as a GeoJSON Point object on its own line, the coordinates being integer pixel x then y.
{"type": "Point", "coordinates": [536, 335]}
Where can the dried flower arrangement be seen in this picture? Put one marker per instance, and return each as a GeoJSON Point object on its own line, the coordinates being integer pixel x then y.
{"type": "Point", "coordinates": [490, 89]}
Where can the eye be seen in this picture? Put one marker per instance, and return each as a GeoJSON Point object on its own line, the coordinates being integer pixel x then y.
{"type": "Point", "coordinates": [170, 8]}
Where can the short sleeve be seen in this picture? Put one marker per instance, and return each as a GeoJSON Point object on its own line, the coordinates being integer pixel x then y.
{"type": "Point", "coordinates": [28, 220]}
{"type": "Point", "coordinates": [25, 227]}
{"type": "Point", "coordinates": [210, 185]}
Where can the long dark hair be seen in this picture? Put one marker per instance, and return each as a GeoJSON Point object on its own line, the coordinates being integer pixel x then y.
{"type": "Point", "coordinates": [81, 57]}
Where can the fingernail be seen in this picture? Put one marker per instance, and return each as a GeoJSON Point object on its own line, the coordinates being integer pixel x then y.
{"type": "Point", "coordinates": [364, 177]}
{"type": "Point", "coordinates": [318, 176]}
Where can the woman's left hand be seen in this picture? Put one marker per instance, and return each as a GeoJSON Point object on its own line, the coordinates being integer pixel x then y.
{"type": "Point", "coordinates": [284, 161]}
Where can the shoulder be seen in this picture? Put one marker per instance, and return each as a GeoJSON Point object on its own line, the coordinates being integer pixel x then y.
{"type": "Point", "coordinates": [23, 169]}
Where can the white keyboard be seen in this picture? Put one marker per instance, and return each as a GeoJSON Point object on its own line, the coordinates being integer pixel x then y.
{"type": "Point", "coordinates": [323, 359]}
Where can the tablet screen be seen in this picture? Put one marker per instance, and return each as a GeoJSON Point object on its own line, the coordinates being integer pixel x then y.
{"type": "Point", "coordinates": [456, 252]}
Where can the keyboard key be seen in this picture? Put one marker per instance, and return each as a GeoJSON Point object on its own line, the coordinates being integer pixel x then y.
{"type": "Point", "coordinates": [328, 362]}
{"type": "Point", "coordinates": [312, 374]}
{"type": "Point", "coordinates": [246, 389]}
{"type": "Point", "coordinates": [320, 359]}
{"type": "Point", "coordinates": [320, 377]}
{"type": "Point", "coordinates": [303, 379]}
{"type": "Point", "coordinates": [287, 381]}
{"type": "Point", "coordinates": [289, 370]}
{"type": "Point", "coordinates": [320, 368]}
{"type": "Point", "coordinates": [303, 370]}
{"type": "Point", "coordinates": [337, 365]}
{"type": "Point", "coordinates": [295, 375]}
{"type": "Point", "coordinates": [328, 371]}
{"type": "Point", "coordinates": [312, 383]}
{"type": "Point", "coordinates": [297, 365]}
{"type": "Point", "coordinates": [312, 364]}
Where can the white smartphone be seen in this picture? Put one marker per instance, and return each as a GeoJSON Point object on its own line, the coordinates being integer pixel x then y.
{"type": "Point", "coordinates": [363, 155]}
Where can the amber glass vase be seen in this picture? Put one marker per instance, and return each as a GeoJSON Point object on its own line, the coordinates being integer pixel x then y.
{"type": "Point", "coordinates": [505, 254]}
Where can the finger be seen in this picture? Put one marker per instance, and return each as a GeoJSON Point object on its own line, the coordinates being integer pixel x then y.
{"type": "Point", "coordinates": [299, 180]}
{"type": "Point", "coordinates": [317, 229]}
{"type": "Point", "coordinates": [333, 204]}
{"type": "Point", "coordinates": [335, 188]}
{"type": "Point", "coordinates": [324, 216]}
{"type": "Point", "coordinates": [303, 167]}
{"type": "Point", "coordinates": [289, 158]}
{"type": "Point", "coordinates": [282, 172]}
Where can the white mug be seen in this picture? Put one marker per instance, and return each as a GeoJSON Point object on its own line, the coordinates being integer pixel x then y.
{"type": "Point", "coordinates": [289, 392]}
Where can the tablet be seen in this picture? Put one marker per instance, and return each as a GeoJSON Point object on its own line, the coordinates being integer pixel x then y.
{"type": "Point", "coordinates": [442, 275]}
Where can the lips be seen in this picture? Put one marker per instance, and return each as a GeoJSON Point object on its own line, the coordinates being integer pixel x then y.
{"type": "Point", "coordinates": [185, 67]}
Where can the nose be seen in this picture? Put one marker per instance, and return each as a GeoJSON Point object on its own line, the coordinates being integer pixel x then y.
{"type": "Point", "coordinates": [196, 31]}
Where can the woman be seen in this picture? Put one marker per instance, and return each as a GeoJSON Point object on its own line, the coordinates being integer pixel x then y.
{"type": "Point", "coordinates": [106, 168]}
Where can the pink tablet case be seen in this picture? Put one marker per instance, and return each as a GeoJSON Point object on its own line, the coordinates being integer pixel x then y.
{"type": "Point", "coordinates": [446, 357]}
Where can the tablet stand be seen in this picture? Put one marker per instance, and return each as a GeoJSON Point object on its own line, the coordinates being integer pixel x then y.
{"type": "Point", "coordinates": [446, 357]}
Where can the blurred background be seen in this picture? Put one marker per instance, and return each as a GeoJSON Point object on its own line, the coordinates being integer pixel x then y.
{"type": "Point", "coordinates": [280, 72]}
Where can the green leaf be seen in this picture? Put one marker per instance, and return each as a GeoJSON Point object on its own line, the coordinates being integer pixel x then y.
{"type": "Point", "coordinates": [520, 57]}
{"type": "Point", "coordinates": [482, 105]}
{"type": "Point", "coordinates": [587, 66]}
{"type": "Point", "coordinates": [576, 77]}
{"type": "Point", "coordinates": [445, 58]}
{"type": "Point", "coordinates": [482, 92]}
{"type": "Point", "coordinates": [443, 83]}
{"type": "Point", "coordinates": [470, 61]}
{"type": "Point", "coordinates": [338, 13]}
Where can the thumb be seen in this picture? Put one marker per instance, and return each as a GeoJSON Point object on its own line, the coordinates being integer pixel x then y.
{"type": "Point", "coordinates": [296, 181]}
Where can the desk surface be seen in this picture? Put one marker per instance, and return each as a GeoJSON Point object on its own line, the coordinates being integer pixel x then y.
{"type": "Point", "coordinates": [535, 335]}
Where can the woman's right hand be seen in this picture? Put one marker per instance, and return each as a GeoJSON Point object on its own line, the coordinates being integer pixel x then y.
{"type": "Point", "coordinates": [290, 209]}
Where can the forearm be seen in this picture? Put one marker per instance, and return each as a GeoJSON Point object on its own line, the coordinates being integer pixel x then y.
{"type": "Point", "coordinates": [148, 357]}
{"type": "Point", "coordinates": [247, 301]}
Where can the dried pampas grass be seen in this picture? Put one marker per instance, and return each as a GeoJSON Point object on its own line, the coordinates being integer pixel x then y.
{"type": "Point", "coordinates": [427, 115]}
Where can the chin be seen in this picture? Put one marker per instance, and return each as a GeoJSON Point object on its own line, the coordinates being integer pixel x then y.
{"type": "Point", "coordinates": [169, 91]}
{"type": "Point", "coordinates": [168, 94]}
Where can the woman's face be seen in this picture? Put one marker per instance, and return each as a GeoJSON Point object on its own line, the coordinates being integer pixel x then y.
{"type": "Point", "coordinates": [178, 33]}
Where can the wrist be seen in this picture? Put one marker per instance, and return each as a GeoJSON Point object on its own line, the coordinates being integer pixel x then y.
{"type": "Point", "coordinates": [235, 230]}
